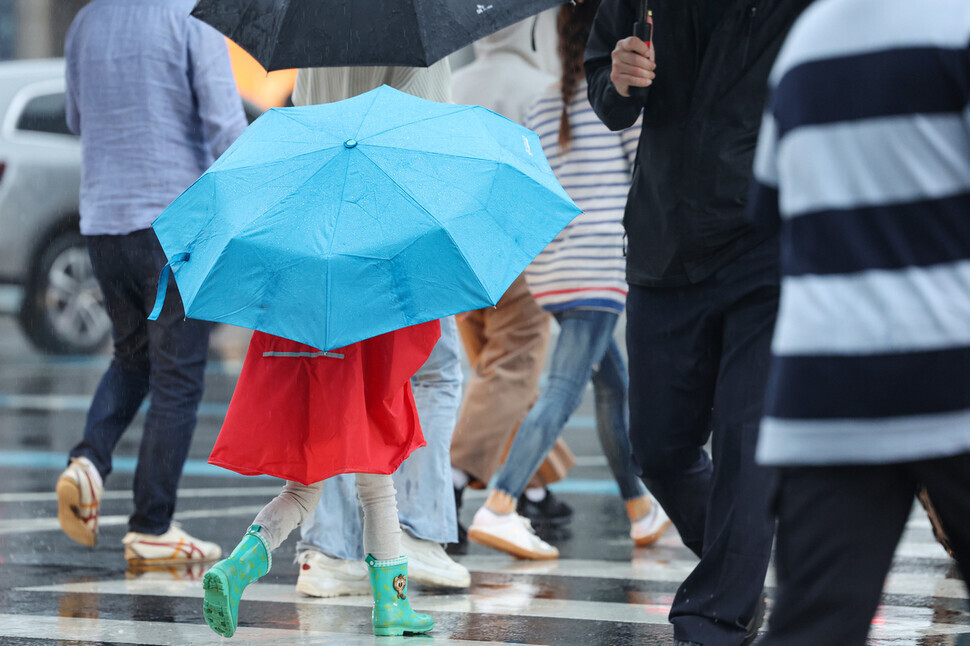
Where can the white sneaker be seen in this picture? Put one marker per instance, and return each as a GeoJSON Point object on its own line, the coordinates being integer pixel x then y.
{"type": "Point", "coordinates": [324, 576]}
{"type": "Point", "coordinates": [428, 564]}
{"type": "Point", "coordinates": [79, 491]}
{"type": "Point", "coordinates": [645, 531]}
{"type": "Point", "coordinates": [509, 533]}
{"type": "Point", "coordinates": [174, 546]}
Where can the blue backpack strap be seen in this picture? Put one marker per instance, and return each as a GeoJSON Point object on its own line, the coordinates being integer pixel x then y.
{"type": "Point", "coordinates": [163, 284]}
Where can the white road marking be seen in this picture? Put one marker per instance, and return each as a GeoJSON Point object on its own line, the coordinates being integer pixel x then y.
{"type": "Point", "coordinates": [29, 525]}
{"type": "Point", "coordinates": [75, 629]}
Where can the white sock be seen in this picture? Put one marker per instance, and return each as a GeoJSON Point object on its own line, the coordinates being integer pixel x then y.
{"type": "Point", "coordinates": [536, 494]}
{"type": "Point", "coordinates": [459, 478]}
{"type": "Point", "coordinates": [92, 471]}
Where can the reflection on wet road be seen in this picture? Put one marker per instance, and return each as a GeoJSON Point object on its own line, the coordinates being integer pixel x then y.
{"type": "Point", "coordinates": [602, 590]}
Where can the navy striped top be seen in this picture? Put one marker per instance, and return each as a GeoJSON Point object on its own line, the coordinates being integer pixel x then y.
{"type": "Point", "coordinates": [864, 160]}
{"type": "Point", "coordinates": [584, 268]}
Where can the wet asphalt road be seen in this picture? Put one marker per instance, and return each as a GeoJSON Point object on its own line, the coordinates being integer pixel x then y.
{"type": "Point", "coordinates": [601, 591]}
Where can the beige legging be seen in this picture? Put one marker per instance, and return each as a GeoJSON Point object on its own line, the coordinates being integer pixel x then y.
{"type": "Point", "coordinates": [382, 533]}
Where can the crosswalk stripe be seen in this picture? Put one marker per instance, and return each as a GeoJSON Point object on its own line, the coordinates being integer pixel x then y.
{"type": "Point", "coordinates": [78, 629]}
{"type": "Point", "coordinates": [30, 525]}
{"type": "Point", "coordinates": [893, 622]}
{"type": "Point", "coordinates": [675, 571]}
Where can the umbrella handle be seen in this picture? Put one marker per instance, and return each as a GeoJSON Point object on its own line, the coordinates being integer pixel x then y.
{"type": "Point", "coordinates": [163, 284]}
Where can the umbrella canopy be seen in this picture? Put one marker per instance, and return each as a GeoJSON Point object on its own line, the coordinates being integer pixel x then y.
{"type": "Point", "coordinates": [282, 34]}
{"type": "Point", "coordinates": [333, 223]}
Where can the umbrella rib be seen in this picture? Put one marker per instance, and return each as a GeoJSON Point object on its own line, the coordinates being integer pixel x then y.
{"type": "Point", "coordinates": [411, 123]}
{"type": "Point", "coordinates": [363, 118]}
{"type": "Point", "coordinates": [414, 201]}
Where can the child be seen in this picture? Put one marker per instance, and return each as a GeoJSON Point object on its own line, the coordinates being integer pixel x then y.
{"type": "Point", "coordinates": [305, 415]}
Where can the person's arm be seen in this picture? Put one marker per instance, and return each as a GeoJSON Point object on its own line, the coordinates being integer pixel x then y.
{"type": "Point", "coordinates": [615, 61]}
{"type": "Point", "coordinates": [630, 139]}
{"type": "Point", "coordinates": [762, 207]}
{"type": "Point", "coordinates": [219, 105]}
{"type": "Point", "coordinates": [71, 98]}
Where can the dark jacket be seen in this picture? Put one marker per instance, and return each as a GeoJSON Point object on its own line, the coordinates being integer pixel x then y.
{"type": "Point", "coordinates": [685, 213]}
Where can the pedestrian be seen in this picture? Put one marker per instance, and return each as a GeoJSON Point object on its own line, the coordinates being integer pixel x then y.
{"type": "Point", "coordinates": [330, 552]}
{"type": "Point", "coordinates": [579, 278]}
{"type": "Point", "coordinates": [864, 162]}
{"type": "Point", "coordinates": [703, 284]}
{"type": "Point", "coordinates": [304, 416]}
{"type": "Point", "coordinates": [150, 92]}
{"type": "Point", "coordinates": [330, 549]}
{"type": "Point", "coordinates": [506, 344]}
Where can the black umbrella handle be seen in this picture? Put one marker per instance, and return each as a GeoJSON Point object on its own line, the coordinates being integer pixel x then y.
{"type": "Point", "coordinates": [642, 29]}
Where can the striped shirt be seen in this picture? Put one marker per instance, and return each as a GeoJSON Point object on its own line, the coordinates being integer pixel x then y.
{"type": "Point", "coordinates": [864, 159]}
{"type": "Point", "coordinates": [584, 266]}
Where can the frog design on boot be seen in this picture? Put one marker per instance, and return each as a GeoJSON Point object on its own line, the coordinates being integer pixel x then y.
{"type": "Point", "coordinates": [392, 610]}
{"type": "Point", "coordinates": [225, 581]}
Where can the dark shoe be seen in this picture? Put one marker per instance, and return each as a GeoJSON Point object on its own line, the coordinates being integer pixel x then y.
{"type": "Point", "coordinates": [461, 547]}
{"type": "Point", "coordinates": [755, 624]}
{"type": "Point", "coordinates": [548, 512]}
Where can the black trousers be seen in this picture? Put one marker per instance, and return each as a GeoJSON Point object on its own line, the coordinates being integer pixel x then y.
{"type": "Point", "coordinates": [699, 357]}
{"type": "Point", "coordinates": [838, 528]}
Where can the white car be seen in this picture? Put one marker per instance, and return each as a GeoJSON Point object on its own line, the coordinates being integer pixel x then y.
{"type": "Point", "coordinates": [41, 249]}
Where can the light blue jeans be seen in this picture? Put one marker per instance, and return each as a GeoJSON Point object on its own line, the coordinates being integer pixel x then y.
{"type": "Point", "coordinates": [585, 350]}
{"type": "Point", "coordinates": [425, 494]}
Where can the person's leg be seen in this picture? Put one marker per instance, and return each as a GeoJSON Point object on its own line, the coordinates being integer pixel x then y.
{"type": "Point", "coordinates": [252, 558]}
{"type": "Point", "coordinates": [721, 600]}
{"type": "Point", "coordinates": [506, 346]}
{"type": "Point", "coordinates": [947, 481]}
{"type": "Point", "coordinates": [583, 339]}
{"type": "Point", "coordinates": [330, 552]}
{"type": "Point", "coordinates": [425, 497]}
{"type": "Point", "coordinates": [334, 527]}
{"type": "Point", "coordinates": [837, 531]}
{"type": "Point", "coordinates": [388, 569]}
{"type": "Point", "coordinates": [648, 520]}
{"type": "Point", "coordinates": [116, 267]}
{"type": "Point", "coordinates": [425, 493]}
{"type": "Point", "coordinates": [610, 385]}
{"type": "Point", "coordinates": [673, 347]}
{"type": "Point", "coordinates": [177, 351]}
{"type": "Point", "coordinates": [118, 396]}
{"type": "Point", "coordinates": [287, 511]}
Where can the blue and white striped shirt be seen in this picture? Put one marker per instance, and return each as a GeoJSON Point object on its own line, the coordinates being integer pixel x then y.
{"type": "Point", "coordinates": [584, 266]}
{"type": "Point", "coordinates": [864, 159]}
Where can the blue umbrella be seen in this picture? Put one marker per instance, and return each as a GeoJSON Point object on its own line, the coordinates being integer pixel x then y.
{"type": "Point", "coordinates": [333, 223]}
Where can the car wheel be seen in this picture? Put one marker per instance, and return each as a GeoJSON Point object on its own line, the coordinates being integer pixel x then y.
{"type": "Point", "coordinates": [63, 308]}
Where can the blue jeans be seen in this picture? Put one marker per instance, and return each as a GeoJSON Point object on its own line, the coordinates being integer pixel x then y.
{"type": "Point", "coordinates": [585, 350]}
{"type": "Point", "coordinates": [425, 498]}
{"type": "Point", "coordinates": [164, 357]}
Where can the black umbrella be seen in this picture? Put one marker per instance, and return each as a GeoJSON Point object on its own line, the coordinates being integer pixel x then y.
{"type": "Point", "coordinates": [282, 34]}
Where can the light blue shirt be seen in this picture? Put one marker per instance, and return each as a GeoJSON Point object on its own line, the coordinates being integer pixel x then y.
{"type": "Point", "coordinates": [151, 93]}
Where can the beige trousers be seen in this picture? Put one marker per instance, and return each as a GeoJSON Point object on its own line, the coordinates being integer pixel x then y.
{"type": "Point", "coordinates": [506, 347]}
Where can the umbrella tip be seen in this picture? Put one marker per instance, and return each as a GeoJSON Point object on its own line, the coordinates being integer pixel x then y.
{"type": "Point", "coordinates": [350, 143]}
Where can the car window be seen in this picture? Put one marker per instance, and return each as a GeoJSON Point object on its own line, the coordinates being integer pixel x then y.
{"type": "Point", "coordinates": [44, 113]}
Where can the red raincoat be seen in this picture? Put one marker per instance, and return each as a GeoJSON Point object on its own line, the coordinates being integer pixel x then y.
{"type": "Point", "coordinates": [301, 415]}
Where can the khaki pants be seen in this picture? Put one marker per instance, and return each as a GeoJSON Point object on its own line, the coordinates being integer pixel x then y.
{"type": "Point", "coordinates": [506, 347]}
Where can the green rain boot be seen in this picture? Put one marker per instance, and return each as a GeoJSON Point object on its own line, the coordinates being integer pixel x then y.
{"type": "Point", "coordinates": [392, 610]}
{"type": "Point", "coordinates": [225, 581]}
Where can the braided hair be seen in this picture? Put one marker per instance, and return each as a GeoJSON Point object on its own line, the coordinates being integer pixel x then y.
{"type": "Point", "coordinates": [574, 22]}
